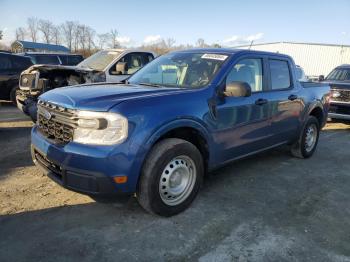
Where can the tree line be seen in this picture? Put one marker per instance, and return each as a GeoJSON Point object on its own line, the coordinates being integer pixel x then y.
{"type": "Point", "coordinates": [83, 39]}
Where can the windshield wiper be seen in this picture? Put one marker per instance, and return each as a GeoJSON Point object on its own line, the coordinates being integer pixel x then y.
{"type": "Point", "coordinates": [149, 84]}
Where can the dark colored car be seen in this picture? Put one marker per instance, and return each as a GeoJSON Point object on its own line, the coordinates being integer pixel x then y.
{"type": "Point", "coordinates": [54, 59]}
{"type": "Point", "coordinates": [339, 80]}
{"type": "Point", "coordinates": [181, 115]}
{"type": "Point", "coordinates": [11, 66]}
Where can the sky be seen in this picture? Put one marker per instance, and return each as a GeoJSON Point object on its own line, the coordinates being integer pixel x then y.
{"type": "Point", "coordinates": [225, 22]}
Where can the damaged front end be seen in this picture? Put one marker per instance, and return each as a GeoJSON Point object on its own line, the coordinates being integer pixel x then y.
{"type": "Point", "coordinates": [39, 79]}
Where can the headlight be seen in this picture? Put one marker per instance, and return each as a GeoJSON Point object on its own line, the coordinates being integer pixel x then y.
{"type": "Point", "coordinates": [100, 128]}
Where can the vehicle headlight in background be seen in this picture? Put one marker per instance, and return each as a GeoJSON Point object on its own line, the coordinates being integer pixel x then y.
{"type": "Point", "coordinates": [335, 94]}
{"type": "Point", "coordinates": [100, 128]}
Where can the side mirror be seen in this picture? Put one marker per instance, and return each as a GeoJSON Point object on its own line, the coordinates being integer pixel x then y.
{"type": "Point", "coordinates": [121, 68]}
{"type": "Point", "coordinates": [238, 89]}
{"type": "Point", "coordinates": [321, 78]}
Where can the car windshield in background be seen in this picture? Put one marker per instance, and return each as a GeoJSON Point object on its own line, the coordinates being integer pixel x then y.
{"type": "Point", "coordinates": [100, 60]}
{"type": "Point", "coordinates": [181, 70]}
{"type": "Point", "coordinates": [45, 60]}
{"type": "Point", "coordinates": [339, 74]}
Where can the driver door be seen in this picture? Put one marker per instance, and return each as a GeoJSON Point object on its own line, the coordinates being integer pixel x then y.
{"type": "Point", "coordinates": [243, 123]}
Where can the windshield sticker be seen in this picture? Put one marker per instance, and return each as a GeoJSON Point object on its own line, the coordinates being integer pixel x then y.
{"type": "Point", "coordinates": [214, 57]}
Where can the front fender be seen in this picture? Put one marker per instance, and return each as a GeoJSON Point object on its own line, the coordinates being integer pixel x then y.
{"type": "Point", "coordinates": [163, 129]}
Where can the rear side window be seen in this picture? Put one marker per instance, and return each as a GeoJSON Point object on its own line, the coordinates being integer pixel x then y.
{"type": "Point", "coordinates": [46, 59]}
{"type": "Point", "coordinates": [280, 74]}
{"type": "Point", "coordinates": [21, 63]}
{"type": "Point", "coordinates": [74, 60]}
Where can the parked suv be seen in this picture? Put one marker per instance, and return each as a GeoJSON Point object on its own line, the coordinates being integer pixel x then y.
{"type": "Point", "coordinates": [54, 59]}
{"type": "Point", "coordinates": [181, 115]}
{"type": "Point", "coordinates": [112, 65]}
{"type": "Point", "coordinates": [339, 80]}
{"type": "Point", "coordinates": [11, 66]}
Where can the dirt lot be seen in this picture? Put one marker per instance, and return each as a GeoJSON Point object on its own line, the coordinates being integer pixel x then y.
{"type": "Point", "coordinates": [271, 207]}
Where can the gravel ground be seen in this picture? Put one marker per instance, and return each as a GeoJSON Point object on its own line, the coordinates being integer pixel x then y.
{"type": "Point", "coordinates": [270, 207]}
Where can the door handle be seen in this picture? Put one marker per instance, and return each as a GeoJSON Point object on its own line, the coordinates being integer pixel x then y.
{"type": "Point", "coordinates": [261, 102]}
{"type": "Point", "coordinates": [292, 97]}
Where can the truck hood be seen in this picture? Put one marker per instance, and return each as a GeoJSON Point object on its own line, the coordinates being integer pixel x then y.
{"type": "Point", "coordinates": [101, 97]}
{"type": "Point", "coordinates": [59, 67]}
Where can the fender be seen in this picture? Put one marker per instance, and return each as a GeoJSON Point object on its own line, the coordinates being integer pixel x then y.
{"type": "Point", "coordinates": [186, 122]}
{"type": "Point", "coordinates": [315, 104]}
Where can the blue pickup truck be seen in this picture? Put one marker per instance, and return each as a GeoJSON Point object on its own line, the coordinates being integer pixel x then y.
{"type": "Point", "coordinates": [181, 116]}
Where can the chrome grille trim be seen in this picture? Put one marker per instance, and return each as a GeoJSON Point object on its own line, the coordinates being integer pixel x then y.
{"type": "Point", "coordinates": [56, 122]}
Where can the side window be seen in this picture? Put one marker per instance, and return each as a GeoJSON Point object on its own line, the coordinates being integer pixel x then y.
{"type": "Point", "coordinates": [280, 74]}
{"type": "Point", "coordinates": [64, 59]}
{"type": "Point", "coordinates": [134, 62]}
{"type": "Point", "coordinates": [248, 70]}
{"type": "Point", "coordinates": [5, 62]}
{"type": "Point", "coordinates": [147, 58]}
{"type": "Point", "coordinates": [74, 60]}
{"type": "Point", "coordinates": [21, 63]}
{"type": "Point", "coordinates": [47, 59]}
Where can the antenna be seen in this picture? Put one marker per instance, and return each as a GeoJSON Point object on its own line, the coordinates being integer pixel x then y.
{"type": "Point", "coordinates": [251, 43]}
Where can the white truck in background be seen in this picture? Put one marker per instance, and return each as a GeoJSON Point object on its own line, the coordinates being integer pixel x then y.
{"type": "Point", "coordinates": [111, 65]}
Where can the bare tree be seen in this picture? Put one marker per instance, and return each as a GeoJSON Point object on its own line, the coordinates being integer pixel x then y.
{"type": "Point", "coordinates": [56, 35]}
{"type": "Point", "coordinates": [113, 36]}
{"type": "Point", "coordinates": [90, 35]}
{"type": "Point", "coordinates": [33, 29]}
{"type": "Point", "coordinates": [1, 34]}
{"type": "Point", "coordinates": [170, 42]}
{"type": "Point", "coordinates": [20, 33]}
{"type": "Point", "coordinates": [103, 39]}
{"type": "Point", "coordinates": [45, 26]}
{"type": "Point", "coordinates": [76, 37]}
{"type": "Point", "coordinates": [200, 43]}
{"type": "Point", "coordinates": [68, 29]}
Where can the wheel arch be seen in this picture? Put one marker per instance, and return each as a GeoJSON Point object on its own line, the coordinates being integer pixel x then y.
{"type": "Point", "coordinates": [317, 111]}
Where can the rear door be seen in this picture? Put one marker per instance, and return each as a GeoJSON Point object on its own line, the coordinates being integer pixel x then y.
{"type": "Point", "coordinates": [134, 60]}
{"type": "Point", "coordinates": [285, 104]}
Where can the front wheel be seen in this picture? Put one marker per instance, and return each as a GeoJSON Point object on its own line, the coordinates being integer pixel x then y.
{"type": "Point", "coordinates": [171, 177]}
{"type": "Point", "coordinates": [307, 142]}
{"type": "Point", "coordinates": [13, 95]}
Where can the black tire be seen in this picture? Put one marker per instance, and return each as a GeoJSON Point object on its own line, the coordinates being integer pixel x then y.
{"type": "Point", "coordinates": [162, 153]}
{"type": "Point", "coordinates": [13, 95]}
{"type": "Point", "coordinates": [299, 148]}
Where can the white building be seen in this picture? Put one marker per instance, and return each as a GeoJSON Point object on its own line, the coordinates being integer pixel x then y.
{"type": "Point", "coordinates": [316, 59]}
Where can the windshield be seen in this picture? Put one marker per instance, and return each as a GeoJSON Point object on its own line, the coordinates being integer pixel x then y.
{"type": "Point", "coordinates": [339, 74]}
{"type": "Point", "coordinates": [45, 59]}
{"type": "Point", "coordinates": [100, 60]}
{"type": "Point", "coordinates": [182, 70]}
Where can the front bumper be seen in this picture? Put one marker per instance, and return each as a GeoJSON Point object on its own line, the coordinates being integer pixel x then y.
{"type": "Point", "coordinates": [339, 111]}
{"type": "Point", "coordinates": [82, 168]}
{"type": "Point", "coordinates": [28, 105]}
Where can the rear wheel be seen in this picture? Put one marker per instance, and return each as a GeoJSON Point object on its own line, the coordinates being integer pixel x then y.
{"type": "Point", "coordinates": [307, 142]}
{"type": "Point", "coordinates": [171, 177]}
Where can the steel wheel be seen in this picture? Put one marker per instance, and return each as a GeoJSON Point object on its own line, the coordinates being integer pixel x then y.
{"type": "Point", "coordinates": [311, 137]}
{"type": "Point", "coordinates": [177, 180]}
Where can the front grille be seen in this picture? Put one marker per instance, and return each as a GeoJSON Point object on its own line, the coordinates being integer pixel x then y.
{"type": "Point", "coordinates": [48, 164]}
{"type": "Point", "coordinates": [27, 81]}
{"type": "Point", "coordinates": [344, 95]}
{"type": "Point", "coordinates": [339, 109]}
{"type": "Point", "coordinates": [56, 122]}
